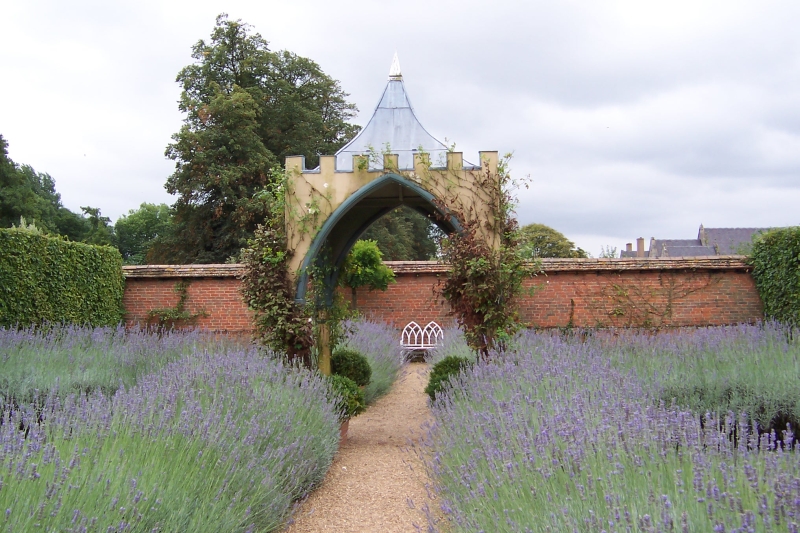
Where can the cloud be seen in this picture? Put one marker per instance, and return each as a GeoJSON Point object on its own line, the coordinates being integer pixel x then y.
{"type": "Point", "coordinates": [632, 118]}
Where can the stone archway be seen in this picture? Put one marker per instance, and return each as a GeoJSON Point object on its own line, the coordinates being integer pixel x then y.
{"type": "Point", "coordinates": [327, 210]}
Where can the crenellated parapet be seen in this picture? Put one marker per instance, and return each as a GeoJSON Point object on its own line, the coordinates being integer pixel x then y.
{"type": "Point", "coordinates": [325, 204]}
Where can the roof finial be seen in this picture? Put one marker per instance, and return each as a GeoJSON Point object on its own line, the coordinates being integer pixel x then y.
{"type": "Point", "coordinates": [394, 71]}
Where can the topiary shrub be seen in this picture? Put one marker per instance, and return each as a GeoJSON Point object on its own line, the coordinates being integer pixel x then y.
{"type": "Point", "coordinates": [351, 364]}
{"type": "Point", "coordinates": [349, 398]}
{"type": "Point", "coordinates": [442, 371]}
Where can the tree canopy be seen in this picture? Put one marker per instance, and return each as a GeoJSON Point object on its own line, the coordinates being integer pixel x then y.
{"type": "Point", "coordinates": [404, 235]}
{"type": "Point", "coordinates": [538, 241]}
{"type": "Point", "coordinates": [137, 230]}
{"type": "Point", "coordinates": [246, 108]}
{"type": "Point", "coordinates": [25, 193]}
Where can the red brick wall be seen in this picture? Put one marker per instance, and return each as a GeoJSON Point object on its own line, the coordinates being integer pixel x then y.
{"type": "Point", "coordinates": [580, 292]}
{"type": "Point", "coordinates": [642, 298]}
{"type": "Point", "coordinates": [213, 289]}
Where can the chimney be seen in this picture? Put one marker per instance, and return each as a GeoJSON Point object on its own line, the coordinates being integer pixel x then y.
{"type": "Point", "coordinates": [629, 247]}
{"type": "Point", "coordinates": [640, 247]}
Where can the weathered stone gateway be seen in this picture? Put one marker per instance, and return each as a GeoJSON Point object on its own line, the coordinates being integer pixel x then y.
{"type": "Point", "coordinates": [328, 208]}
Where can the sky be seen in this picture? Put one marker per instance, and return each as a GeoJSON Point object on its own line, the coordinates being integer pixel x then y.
{"type": "Point", "coordinates": [631, 119]}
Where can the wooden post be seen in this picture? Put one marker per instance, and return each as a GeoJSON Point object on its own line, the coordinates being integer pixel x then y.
{"type": "Point", "coordinates": [324, 344]}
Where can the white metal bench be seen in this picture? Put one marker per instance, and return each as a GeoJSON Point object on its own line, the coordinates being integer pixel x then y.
{"type": "Point", "coordinates": [420, 339]}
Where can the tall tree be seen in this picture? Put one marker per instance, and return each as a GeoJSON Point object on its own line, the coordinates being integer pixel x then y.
{"type": "Point", "coordinates": [101, 232]}
{"type": "Point", "coordinates": [538, 240]}
{"type": "Point", "coordinates": [247, 108]}
{"type": "Point", "coordinates": [15, 196]}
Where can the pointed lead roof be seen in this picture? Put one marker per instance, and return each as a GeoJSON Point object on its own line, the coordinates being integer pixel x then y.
{"type": "Point", "coordinates": [394, 126]}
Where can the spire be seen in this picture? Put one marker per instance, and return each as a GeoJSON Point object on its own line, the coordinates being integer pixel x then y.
{"type": "Point", "coordinates": [394, 71]}
{"type": "Point", "coordinates": [395, 127]}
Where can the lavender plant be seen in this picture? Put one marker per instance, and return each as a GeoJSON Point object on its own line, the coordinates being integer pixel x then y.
{"type": "Point", "coordinates": [569, 434]}
{"type": "Point", "coordinates": [73, 358]}
{"type": "Point", "coordinates": [220, 440]}
{"type": "Point", "coordinates": [453, 344]}
{"type": "Point", "coordinates": [745, 368]}
{"type": "Point", "coordinates": [380, 345]}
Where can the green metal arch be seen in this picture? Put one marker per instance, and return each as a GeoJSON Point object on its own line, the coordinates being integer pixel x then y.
{"type": "Point", "coordinates": [447, 222]}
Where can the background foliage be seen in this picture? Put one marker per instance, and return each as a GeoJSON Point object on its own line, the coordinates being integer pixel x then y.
{"type": "Point", "coordinates": [25, 193]}
{"type": "Point", "coordinates": [139, 229]}
{"type": "Point", "coordinates": [247, 108]}
{"type": "Point", "coordinates": [538, 240]}
{"type": "Point", "coordinates": [46, 279]}
{"type": "Point", "coordinates": [363, 267]}
{"type": "Point", "coordinates": [776, 270]}
{"type": "Point", "coordinates": [405, 235]}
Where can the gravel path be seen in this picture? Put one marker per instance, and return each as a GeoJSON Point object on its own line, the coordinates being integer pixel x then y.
{"type": "Point", "coordinates": [376, 483]}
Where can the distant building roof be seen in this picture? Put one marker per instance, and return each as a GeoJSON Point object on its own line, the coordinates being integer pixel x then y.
{"type": "Point", "coordinates": [709, 241]}
{"type": "Point", "coordinates": [394, 126]}
{"type": "Point", "coordinates": [729, 240]}
{"type": "Point", "coordinates": [687, 251]}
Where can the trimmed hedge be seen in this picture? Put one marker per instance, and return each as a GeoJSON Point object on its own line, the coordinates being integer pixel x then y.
{"type": "Point", "coordinates": [442, 371]}
{"type": "Point", "coordinates": [351, 364]}
{"type": "Point", "coordinates": [46, 279]}
{"type": "Point", "coordinates": [347, 396]}
{"type": "Point", "coordinates": [776, 270]}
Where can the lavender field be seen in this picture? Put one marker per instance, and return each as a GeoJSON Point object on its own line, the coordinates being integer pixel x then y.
{"type": "Point", "coordinates": [104, 430]}
{"type": "Point", "coordinates": [674, 432]}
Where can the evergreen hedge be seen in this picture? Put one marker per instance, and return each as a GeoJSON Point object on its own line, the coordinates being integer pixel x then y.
{"type": "Point", "coordinates": [351, 364]}
{"type": "Point", "coordinates": [45, 279]}
{"type": "Point", "coordinates": [776, 270]}
{"type": "Point", "coordinates": [440, 375]}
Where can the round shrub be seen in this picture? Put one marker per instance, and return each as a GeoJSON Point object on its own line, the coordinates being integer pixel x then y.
{"type": "Point", "coordinates": [351, 364]}
{"type": "Point", "coordinates": [349, 398]}
{"type": "Point", "coordinates": [442, 371]}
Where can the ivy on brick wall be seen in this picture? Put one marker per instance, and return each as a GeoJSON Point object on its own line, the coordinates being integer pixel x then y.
{"type": "Point", "coordinates": [484, 282]}
{"type": "Point", "coordinates": [45, 279]}
{"type": "Point", "coordinates": [177, 316]}
{"type": "Point", "coordinates": [776, 270]}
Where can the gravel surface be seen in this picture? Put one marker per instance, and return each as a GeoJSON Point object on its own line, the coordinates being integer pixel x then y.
{"type": "Point", "coordinates": [377, 482]}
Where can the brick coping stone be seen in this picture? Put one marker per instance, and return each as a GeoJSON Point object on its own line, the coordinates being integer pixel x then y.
{"type": "Point", "coordinates": [715, 262]}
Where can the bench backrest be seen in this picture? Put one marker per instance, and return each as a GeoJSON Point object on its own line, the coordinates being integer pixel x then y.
{"type": "Point", "coordinates": [418, 338]}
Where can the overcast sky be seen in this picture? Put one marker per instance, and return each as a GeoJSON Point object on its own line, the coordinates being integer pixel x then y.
{"type": "Point", "coordinates": [633, 118]}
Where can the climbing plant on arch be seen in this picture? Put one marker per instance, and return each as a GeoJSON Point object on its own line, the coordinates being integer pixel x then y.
{"type": "Point", "coordinates": [324, 213]}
